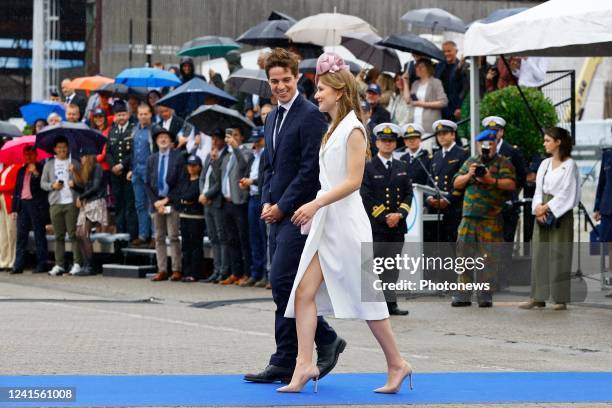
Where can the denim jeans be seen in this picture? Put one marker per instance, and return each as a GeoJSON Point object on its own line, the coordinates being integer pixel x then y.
{"type": "Point", "coordinates": [142, 207]}
{"type": "Point", "coordinates": [258, 239]}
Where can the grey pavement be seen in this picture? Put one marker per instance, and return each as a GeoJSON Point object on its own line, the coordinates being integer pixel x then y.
{"type": "Point", "coordinates": [103, 325]}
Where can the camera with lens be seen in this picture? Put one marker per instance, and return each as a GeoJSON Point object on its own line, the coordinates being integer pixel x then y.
{"type": "Point", "coordinates": [480, 170]}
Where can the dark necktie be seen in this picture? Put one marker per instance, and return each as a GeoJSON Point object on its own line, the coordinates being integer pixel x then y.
{"type": "Point", "coordinates": [388, 168]}
{"type": "Point", "coordinates": [160, 176]}
{"type": "Point", "coordinates": [279, 119]}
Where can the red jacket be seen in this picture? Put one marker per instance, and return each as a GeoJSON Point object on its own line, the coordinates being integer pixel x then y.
{"type": "Point", "coordinates": [8, 178]}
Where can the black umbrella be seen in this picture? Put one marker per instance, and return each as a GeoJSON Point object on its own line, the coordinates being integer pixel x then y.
{"type": "Point", "coordinates": [270, 33]}
{"type": "Point", "coordinates": [7, 129]}
{"type": "Point", "coordinates": [409, 42]}
{"type": "Point", "coordinates": [251, 81]}
{"type": "Point", "coordinates": [310, 66]}
{"type": "Point", "coordinates": [81, 139]}
{"type": "Point", "coordinates": [119, 90]}
{"type": "Point", "coordinates": [307, 51]}
{"type": "Point", "coordinates": [277, 15]}
{"type": "Point", "coordinates": [363, 46]}
{"type": "Point", "coordinates": [210, 117]}
{"type": "Point", "coordinates": [192, 94]}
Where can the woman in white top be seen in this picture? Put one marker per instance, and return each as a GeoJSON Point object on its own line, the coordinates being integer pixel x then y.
{"type": "Point", "coordinates": [427, 97]}
{"type": "Point", "coordinates": [557, 193]}
{"type": "Point", "coordinates": [329, 276]}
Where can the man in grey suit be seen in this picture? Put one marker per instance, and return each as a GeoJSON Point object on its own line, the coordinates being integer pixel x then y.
{"type": "Point", "coordinates": [211, 198]}
{"type": "Point", "coordinates": [236, 166]}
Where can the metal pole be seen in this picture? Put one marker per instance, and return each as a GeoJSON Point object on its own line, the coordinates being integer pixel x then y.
{"type": "Point", "coordinates": [474, 102]}
{"type": "Point", "coordinates": [149, 46]}
{"type": "Point", "coordinates": [38, 51]}
{"type": "Point", "coordinates": [131, 42]}
{"type": "Point", "coordinates": [573, 105]}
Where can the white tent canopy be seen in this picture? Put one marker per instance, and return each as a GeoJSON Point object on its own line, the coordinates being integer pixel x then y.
{"type": "Point", "coordinates": [576, 28]}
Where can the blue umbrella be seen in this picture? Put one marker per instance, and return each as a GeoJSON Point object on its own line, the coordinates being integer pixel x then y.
{"type": "Point", "coordinates": [189, 96]}
{"type": "Point", "coordinates": [81, 138]}
{"type": "Point", "coordinates": [41, 110]}
{"type": "Point", "coordinates": [147, 77]}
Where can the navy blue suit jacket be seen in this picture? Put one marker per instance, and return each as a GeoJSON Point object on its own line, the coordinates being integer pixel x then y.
{"type": "Point", "coordinates": [603, 198]}
{"type": "Point", "coordinates": [176, 176]}
{"type": "Point", "coordinates": [291, 168]}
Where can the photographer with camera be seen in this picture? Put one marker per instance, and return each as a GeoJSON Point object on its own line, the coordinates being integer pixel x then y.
{"type": "Point", "coordinates": [488, 180]}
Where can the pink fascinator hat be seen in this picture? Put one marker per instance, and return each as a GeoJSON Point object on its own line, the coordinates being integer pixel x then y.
{"type": "Point", "coordinates": [330, 62]}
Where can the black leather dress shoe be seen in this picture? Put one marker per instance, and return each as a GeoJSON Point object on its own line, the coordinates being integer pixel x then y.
{"type": "Point", "coordinates": [462, 299]}
{"type": "Point", "coordinates": [396, 311]}
{"type": "Point", "coordinates": [271, 374]}
{"type": "Point", "coordinates": [485, 299]}
{"type": "Point", "coordinates": [327, 356]}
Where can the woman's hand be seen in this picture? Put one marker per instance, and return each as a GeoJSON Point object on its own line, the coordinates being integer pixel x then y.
{"type": "Point", "coordinates": [78, 202]}
{"type": "Point", "coordinates": [305, 213]}
{"type": "Point", "coordinates": [541, 210]}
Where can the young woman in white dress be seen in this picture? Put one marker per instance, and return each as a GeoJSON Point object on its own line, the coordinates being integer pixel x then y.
{"type": "Point", "coordinates": [329, 276]}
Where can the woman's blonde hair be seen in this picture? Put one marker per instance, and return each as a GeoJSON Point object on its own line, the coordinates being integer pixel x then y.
{"type": "Point", "coordinates": [345, 83]}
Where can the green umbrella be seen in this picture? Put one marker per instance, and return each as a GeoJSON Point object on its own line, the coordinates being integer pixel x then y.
{"type": "Point", "coordinates": [211, 45]}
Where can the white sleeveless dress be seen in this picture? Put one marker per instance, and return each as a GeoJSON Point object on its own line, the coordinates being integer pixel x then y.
{"type": "Point", "coordinates": [336, 233]}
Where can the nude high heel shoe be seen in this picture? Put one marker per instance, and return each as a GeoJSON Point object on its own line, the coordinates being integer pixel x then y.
{"type": "Point", "coordinates": [394, 388]}
{"type": "Point", "coordinates": [313, 375]}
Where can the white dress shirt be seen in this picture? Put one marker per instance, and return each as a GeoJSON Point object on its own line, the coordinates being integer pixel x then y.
{"type": "Point", "coordinates": [286, 106]}
{"type": "Point", "coordinates": [563, 183]}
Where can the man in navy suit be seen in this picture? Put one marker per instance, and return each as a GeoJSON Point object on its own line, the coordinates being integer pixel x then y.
{"type": "Point", "coordinates": [293, 133]}
{"type": "Point", "coordinates": [164, 182]}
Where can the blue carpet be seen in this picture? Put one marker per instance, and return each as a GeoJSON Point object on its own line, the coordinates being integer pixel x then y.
{"type": "Point", "coordinates": [335, 389]}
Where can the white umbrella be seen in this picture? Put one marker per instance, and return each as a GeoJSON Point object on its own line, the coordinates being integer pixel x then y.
{"type": "Point", "coordinates": [554, 28]}
{"type": "Point", "coordinates": [327, 28]}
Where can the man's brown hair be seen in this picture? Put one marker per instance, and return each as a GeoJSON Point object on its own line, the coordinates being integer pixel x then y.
{"type": "Point", "coordinates": [280, 57]}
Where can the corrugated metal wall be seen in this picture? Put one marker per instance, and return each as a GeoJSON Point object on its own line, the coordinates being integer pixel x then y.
{"type": "Point", "coordinates": [177, 21]}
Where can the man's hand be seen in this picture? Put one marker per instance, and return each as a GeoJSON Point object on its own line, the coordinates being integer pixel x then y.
{"type": "Point", "coordinates": [245, 183]}
{"type": "Point", "coordinates": [182, 140]}
{"type": "Point", "coordinates": [393, 219]}
{"type": "Point", "coordinates": [57, 186]}
{"type": "Point", "coordinates": [271, 213]}
{"type": "Point", "coordinates": [129, 176]}
{"type": "Point", "coordinates": [160, 204]}
{"type": "Point", "coordinates": [472, 169]}
{"type": "Point", "coordinates": [435, 203]}
{"type": "Point", "coordinates": [486, 179]}
{"type": "Point", "coordinates": [457, 113]}
{"type": "Point", "coordinates": [13, 216]}
{"type": "Point", "coordinates": [597, 216]}
{"type": "Point", "coordinates": [117, 169]}
{"type": "Point", "coordinates": [203, 199]}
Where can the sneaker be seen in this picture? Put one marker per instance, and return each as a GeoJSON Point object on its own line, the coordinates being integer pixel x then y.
{"type": "Point", "coordinates": [57, 270]}
{"type": "Point", "coordinates": [75, 270]}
